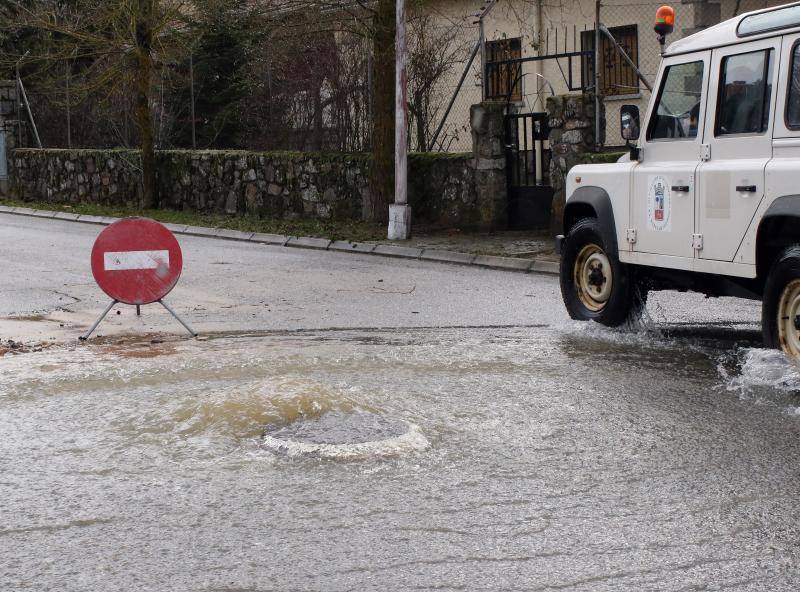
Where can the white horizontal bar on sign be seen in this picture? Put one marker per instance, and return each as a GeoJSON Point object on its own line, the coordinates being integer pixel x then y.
{"type": "Point", "coordinates": [127, 260]}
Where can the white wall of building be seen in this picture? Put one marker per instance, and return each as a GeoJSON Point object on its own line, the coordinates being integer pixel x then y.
{"type": "Point", "coordinates": [519, 19]}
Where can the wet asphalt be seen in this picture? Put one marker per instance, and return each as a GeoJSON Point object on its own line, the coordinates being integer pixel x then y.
{"type": "Point", "coordinates": [544, 454]}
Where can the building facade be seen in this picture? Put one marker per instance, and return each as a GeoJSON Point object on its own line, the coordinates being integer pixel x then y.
{"type": "Point", "coordinates": [515, 29]}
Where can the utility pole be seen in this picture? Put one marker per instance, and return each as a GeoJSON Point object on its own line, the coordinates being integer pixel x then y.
{"type": "Point", "coordinates": [400, 211]}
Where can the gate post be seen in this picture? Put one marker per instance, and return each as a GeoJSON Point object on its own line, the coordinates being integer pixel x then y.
{"type": "Point", "coordinates": [8, 131]}
{"type": "Point", "coordinates": [572, 142]}
{"type": "Point", "coordinates": [487, 120]}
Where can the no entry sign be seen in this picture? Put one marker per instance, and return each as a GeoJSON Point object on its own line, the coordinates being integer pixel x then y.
{"type": "Point", "coordinates": [136, 261]}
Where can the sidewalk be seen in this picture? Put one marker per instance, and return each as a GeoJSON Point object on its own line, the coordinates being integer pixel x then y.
{"type": "Point", "coordinates": [521, 244]}
{"type": "Point", "coordinates": [521, 251]}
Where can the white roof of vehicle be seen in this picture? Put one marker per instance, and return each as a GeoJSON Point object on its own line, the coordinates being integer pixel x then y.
{"type": "Point", "coordinates": [725, 33]}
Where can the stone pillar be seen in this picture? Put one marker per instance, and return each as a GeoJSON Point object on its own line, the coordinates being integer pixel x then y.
{"type": "Point", "coordinates": [487, 120]}
{"type": "Point", "coordinates": [9, 129]}
{"type": "Point", "coordinates": [571, 119]}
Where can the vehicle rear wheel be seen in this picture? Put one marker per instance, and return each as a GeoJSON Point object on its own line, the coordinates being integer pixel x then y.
{"type": "Point", "coordinates": [780, 312]}
{"type": "Point", "coordinates": [594, 284]}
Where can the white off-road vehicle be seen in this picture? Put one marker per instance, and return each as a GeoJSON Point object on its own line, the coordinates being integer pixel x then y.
{"type": "Point", "coordinates": [709, 198]}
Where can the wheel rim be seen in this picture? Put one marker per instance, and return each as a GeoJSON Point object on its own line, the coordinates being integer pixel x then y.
{"type": "Point", "coordinates": [593, 277]}
{"type": "Point", "coordinates": [789, 319]}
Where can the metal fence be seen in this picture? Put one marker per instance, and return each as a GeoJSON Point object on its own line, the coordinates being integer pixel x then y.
{"type": "Point", "coordinates": [631, 25]}
{"type": "Point", "coordinates": [317, 93]}
{"type": "Point", "coordinates": [446, 123]}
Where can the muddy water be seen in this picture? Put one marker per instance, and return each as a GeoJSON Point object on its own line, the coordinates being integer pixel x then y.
{"type": "Point", "coordinates": [514, 458]}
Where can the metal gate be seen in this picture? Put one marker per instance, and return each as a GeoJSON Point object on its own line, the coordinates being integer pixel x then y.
{"type": "Point", "coordinates": [527, 163]}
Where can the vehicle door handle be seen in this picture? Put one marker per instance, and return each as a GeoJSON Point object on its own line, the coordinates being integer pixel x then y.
{"type": "Point", "coordinates": [680, 188]}
{"type": "Point", "coordinates": [746, 188]}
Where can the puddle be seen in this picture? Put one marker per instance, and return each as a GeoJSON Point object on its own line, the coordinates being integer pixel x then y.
{"type": "Point", "coordinates": [569, 443]}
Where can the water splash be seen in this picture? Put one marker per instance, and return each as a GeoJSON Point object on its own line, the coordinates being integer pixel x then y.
{"type": "Point", "coordinates": [761, 368]}
{"type": "Point", "coordinates": [347, 436]}
{"type": "Point", "coordinates": [763, 375]}
{"type": "Point", "coordinates": [246, 410]}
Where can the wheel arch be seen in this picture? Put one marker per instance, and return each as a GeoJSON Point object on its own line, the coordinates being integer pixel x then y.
{"type": "Point", "coordinates": [778, 229]}
{"type": "Point", "coordinates": [592, 202]}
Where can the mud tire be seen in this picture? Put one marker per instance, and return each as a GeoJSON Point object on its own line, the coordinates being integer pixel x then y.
{"type": "Point", "coordinates": [595, 285]}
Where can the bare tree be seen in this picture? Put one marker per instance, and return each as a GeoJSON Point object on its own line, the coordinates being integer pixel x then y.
{"type": "Point", "coordinates": [375, 20]}
{"type": "Point", "coordinates": [309, 75]}
{"type": "Point", "coordinates": [121, 44]}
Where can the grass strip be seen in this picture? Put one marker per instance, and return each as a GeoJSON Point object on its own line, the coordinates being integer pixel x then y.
{"type": "Point", "coordinates": [332, 230]}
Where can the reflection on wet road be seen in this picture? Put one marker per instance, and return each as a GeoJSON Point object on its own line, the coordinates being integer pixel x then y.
{"type": "Point", "coordinates": [535, 458]}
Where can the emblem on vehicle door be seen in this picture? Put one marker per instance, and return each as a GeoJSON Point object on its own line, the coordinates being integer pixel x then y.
{"type": "Point", "coordinates": [659, 205]}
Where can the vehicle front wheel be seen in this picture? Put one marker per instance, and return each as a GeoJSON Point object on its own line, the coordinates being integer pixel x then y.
{"type": "Point", "coordinates": [594, 284]}
{"type": "Point", "coordinates": [780, 311]}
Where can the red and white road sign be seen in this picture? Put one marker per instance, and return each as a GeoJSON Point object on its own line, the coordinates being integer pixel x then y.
{"type": "Point", "coordinates": [136, 261]}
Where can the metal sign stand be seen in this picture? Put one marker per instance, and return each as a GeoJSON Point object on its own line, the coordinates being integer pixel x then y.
{"type": "Point", "coordinates": [136, 261]}
{"type": "Point", "coordinates": [138, 313]}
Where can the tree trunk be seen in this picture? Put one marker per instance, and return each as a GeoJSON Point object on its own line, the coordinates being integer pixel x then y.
{"type": "Point", "coordinates": [381, 178]}
{"type": "Point", "coordinates": [142, 115]}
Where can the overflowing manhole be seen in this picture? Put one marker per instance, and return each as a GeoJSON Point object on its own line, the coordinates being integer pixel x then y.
{"type": "Point", "coordinates": [346, 435]}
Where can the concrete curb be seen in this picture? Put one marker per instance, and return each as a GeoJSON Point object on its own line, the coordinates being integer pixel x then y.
{"type": "Point", "coordinates": [545, 266]}
{"type": "Point", "coordinates": [447, 256]}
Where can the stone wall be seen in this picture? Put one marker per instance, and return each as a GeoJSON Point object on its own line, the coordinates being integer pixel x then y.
{"type": "Point", "coordinates": [107, 177]}
{"type": "Point", "coordinates": [456, 190]}
{"type": "Point", "coordinates": [443, 188]}
{"type": "Point", "coordinates": [274, 185]}
{"type": "Point", "coordinates": [571, 119]}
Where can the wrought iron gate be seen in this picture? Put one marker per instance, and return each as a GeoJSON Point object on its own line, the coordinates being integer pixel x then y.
{"type": "Point", "coordinates": [527, 162]}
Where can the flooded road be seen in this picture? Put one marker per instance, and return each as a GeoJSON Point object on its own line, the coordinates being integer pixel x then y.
{"type": "Point", "coordinates": [538, 457]}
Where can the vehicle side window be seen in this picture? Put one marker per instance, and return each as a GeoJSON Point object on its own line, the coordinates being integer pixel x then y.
{"type": "Point", "coordinates": [793, 100]}
{"type": "Point", "coordinates": [745, 90]}
{"type": "Point", "coordinates": [678, 108]}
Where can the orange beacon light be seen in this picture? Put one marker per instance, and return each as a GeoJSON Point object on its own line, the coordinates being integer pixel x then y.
{"type": "Point", "coordinates": [665, 20]}
{"type": "Point", "coordinates": [665, 24]}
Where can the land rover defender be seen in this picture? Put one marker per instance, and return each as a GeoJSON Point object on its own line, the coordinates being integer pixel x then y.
{"type": "Point", "coordinates": [708, 199]}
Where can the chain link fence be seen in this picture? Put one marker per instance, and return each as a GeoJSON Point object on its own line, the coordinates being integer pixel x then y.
{"type": "Point", "coordinates": [313, 91]}
{"type": "Point", "coordinates": [438, 107]}
{"type": "Point", "coordinates": [631, 24]}
{"type": "Point", "coordinates": [622, 16]}
{"type": "Point", "coordinates": [285, 91]}
{"type": "Point", "coordinates": [568, 26]}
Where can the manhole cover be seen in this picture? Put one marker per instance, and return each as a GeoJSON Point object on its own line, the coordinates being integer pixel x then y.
{"type": "Point", "coordinates": [339, 434]}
